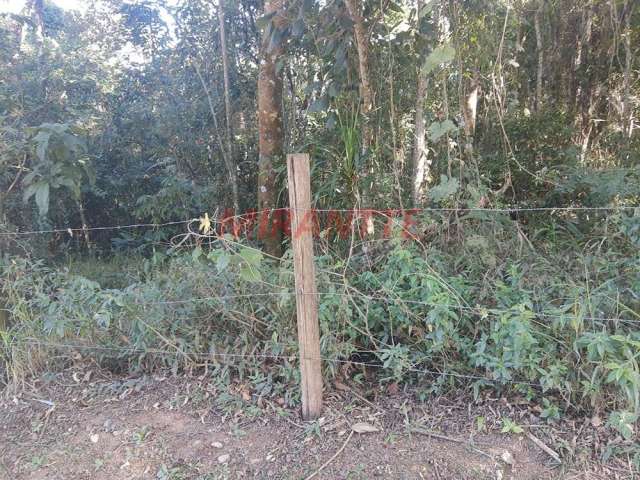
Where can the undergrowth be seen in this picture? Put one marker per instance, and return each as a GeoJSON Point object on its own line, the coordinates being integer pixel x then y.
{"type": "Point", "coordinates": [550, 316]}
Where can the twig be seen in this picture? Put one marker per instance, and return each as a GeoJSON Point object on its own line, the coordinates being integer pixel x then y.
{"type": "Point", "coordinates": [435, 468]}
{"type": "Point", "coordinates": [429, 433]}
{"type": "Point", "coordinates": [363, 399]}
{"type": "Point", "coordinates": [332, 458]}
{"type": "Point", "coordinates": [449, 439]}
{"type": "Point", "coordinates": [544, 447]}
{"type": "Point", "coordinates": [46, 421]}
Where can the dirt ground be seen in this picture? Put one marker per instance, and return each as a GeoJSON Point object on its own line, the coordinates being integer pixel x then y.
{"type": "Point", "coordinates": [91, 425]}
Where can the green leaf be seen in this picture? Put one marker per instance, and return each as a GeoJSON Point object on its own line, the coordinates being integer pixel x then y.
{"type": "Point", "coordinates": [446, 188]}
{"type": "Point", "coordinates": [42, 143]}
{"type": "Point", "coordinates": [42, 197]}
{"type": "Point", "coordinates": [437, 130]}
{"type": "Point", "coordinates": [223, 261]}
{"type": "Point", "coordinates": [442, 55]}
{"type": "Point", "coordinates": [426, 8]}
{"type": "Point", "coordinates": [624, 423]}
{"type": "Point", "coordinates": [250, 273]}
{"type": "Point", "coordinates": [509, 426]}
{"type": "Point", "coordinates": [252, 256]}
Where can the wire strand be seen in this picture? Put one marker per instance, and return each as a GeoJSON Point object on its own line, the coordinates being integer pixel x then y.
{"type": "Point", "coordinates": [213, 355]}
{"type": "Point", "coordinates": [477, 309]}
{"type": "Point", "coordinates": [112, 227]}
{"type": "Point", "coordinates": [224, 219]}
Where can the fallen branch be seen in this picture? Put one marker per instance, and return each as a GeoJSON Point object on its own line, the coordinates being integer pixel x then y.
{"type": "Point", "coordinates": [544, 447]}
{"type": "Point", "coordinates": [332, 458]}
{"type": "Point", "coordinates": [429, 433]}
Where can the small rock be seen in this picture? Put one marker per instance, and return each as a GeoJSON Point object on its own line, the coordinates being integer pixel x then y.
{"type": "Point", "coordinates": [224, 458]}
{"type": "Point", "coordinates": [94, 438]}
{"type": "Point", "coordinates": [216, 445]}
{"type": "Point", "coordinates": [507, 457]}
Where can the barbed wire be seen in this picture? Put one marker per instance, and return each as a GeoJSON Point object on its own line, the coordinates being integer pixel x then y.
{"type": "Point", "coordinates": [481, 310]}
{"type": "Point", "coordinates": [212, 356]}
{"type": "Point", "coordinates": [225, 219]}
{"type": "Point", "coordinates": [70, 231]}
{"type": "Point", "coordinates": [475, 209]}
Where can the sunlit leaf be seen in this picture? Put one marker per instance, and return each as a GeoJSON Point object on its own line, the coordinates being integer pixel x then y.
{"type": "Point", "coordinates": [205, 224]}
{"type": "Point", "coordinates": [442, 55]}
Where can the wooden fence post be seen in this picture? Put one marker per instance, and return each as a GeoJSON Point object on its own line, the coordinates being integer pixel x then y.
{"type": "Point", "coordinates": [305, 280]}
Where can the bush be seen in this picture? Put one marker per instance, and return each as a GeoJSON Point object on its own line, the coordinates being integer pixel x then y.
{"type": "Point", "coordinates": [539, 327]}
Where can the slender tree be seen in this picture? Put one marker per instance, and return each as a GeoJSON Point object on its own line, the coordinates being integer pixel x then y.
{"type": "Point", "coordinates": [627, 113]}
{"type": "Point", "coordinates": [420, 155]}
{"type": "Point", "coordinates": [539, 48]}
{"type": "Point", "coordinates": [366, 90]}
{"type": "Point", "coordinates": [270, 133]}
{"type": "Point", "coordinates": [233, 175]}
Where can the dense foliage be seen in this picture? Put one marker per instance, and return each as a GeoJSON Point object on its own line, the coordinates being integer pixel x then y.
{"type": "Point", "coordinates": [158, 111]}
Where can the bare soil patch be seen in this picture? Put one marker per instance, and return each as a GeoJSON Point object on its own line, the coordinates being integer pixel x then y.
{"type": "Point", "coordinates": [102, 427]}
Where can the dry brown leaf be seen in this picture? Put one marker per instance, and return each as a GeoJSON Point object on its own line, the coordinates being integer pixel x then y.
{"type": "Point", "coordinates": [363, 427]}
{"type": "Point", "coordinates": [341, 386]}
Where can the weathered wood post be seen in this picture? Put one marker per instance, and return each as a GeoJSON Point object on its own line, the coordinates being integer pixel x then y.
{"type": "Point", "coordinates": [305, 281]}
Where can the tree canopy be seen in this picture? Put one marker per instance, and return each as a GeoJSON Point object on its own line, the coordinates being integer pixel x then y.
{"type": "Point", "coordinates": [160, 110]}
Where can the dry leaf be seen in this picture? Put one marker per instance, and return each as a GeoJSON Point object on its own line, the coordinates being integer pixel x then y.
{"type": "Point", "coordinates": [363, 427]}
{"type": "Point", "coordinates": [341, 386]}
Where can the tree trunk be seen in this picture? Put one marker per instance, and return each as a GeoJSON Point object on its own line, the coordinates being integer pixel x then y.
{"type": "Point", "coordinates": [85, 224]}
{"type": "Point", "coordinates": [366, 92]}
{"type": "Point", "coordinates": [469, 107]}
{"type": "Point", "coordinates": [581, 58]}
{"type": "Point", "coordinates": [627, 111]}
{"type": "Point", "coordinates": [536, 22]}
{"type": "Point", "coordinates": [583, 94]}
{"type": "Point", "coordinates": [227, 108]}
{"type": "Point", "coordinates": [421, 162]}
{"type": "Point", "coordinates": [270, 134]}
